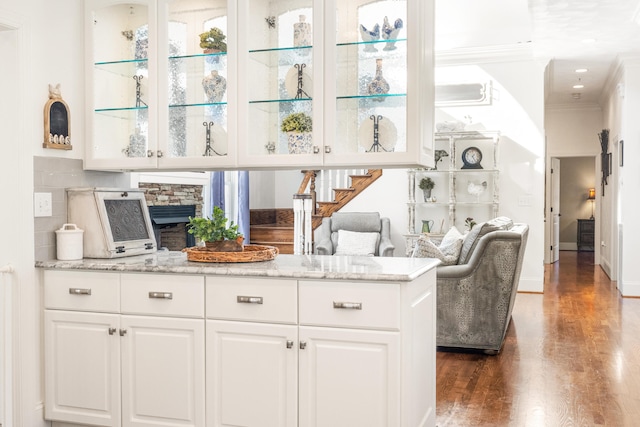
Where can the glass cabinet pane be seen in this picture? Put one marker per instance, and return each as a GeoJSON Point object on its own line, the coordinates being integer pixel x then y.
{"type": "Point", "coordinates": [197, 73]}
{"type": "Point", "coordinates": [279, 74]}
{"type": "Point", "coordinates": [121, 84]}
{"type": "Point", "coordinates": [371, 76]}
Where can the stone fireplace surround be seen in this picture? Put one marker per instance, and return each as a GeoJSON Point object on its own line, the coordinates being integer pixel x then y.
{"type": "Point", "coordinates": [174, 237]}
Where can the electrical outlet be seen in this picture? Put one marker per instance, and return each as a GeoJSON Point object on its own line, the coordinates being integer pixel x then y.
{"type": "Point", "coordinates": [42, 204]}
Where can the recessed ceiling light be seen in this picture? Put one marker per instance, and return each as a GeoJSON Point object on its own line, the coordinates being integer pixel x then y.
{"type": "Point", "coordinates": [578, 86]}
{"type": "Point", "coordinates": [582, 70]}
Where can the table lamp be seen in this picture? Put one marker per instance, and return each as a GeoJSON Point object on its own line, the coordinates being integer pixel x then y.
{"type": "Point", "coordinates": [592, 198]}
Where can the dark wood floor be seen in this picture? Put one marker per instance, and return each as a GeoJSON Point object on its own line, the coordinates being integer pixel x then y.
{"type": "Point", "coordinates": [571, 358]}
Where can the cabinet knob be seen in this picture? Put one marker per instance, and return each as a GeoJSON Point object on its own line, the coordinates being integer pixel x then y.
{"type": "Point", "coordinates": [160, 153]}
{"type": "Point", "coordinates": [123, 332]}
{"type": "Point", "coordinates": [289, 344]}
{"type": "Point", "coordinates": [327, 149]}
{"type": "Point", "coordinates": [316, 149]}
{"type": "Point", "coordinates": [112, 331]}
{"type": "Point", "coordinates": [303, 345]}
{"type": "Point", "coordinates": [149, 153]}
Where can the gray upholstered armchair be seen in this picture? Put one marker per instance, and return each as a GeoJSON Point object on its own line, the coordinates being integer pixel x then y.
{"type": "Point", "coordinates": [367, 223]}
{"type": "Point", "coordinates": [476, 296]}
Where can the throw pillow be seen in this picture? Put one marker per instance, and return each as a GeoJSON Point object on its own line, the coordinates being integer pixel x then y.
{"type": "Point", "coordinates": [356, 243]}
{"type": "Point", "coordinates": [472, 237]}
{"type": "Point", "coordinates": [425, 248]}
{"type": "Point", "coordinates": [451, 243]}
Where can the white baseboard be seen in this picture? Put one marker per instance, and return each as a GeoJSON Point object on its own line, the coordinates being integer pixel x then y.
{"type": "Point", "coordinates": [568, 246]}
{"type": "Point", "coordinates": [529, 284]}
{"type": "Point", "coordinates": [629, 289]}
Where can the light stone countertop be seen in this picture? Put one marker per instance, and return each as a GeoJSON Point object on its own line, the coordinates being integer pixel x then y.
{"type": "Point", "coordinates": [294, 266]}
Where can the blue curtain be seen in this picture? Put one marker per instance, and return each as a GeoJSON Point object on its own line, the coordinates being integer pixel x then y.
{"type": "Point", "coordinates": [238, 196]}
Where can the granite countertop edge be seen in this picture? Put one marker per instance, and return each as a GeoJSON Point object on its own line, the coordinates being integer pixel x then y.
{"type": "Point", "coordinates": [396, 269]}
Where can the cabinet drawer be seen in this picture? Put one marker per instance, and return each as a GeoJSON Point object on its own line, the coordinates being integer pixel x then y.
{"type": "Point", "coordinates": [82, 291]}
{"type": "Point", "coordinates": [252, 299]}
{"type": "Point", "coordinates": [348, 304]}
{"type": "Point", "coordinates": [163, 295]}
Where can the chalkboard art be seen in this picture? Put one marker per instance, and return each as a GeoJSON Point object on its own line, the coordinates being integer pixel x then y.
{"type": "Point", "coordinates": [56, 121]}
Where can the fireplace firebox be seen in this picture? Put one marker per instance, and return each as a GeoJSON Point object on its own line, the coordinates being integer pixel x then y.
{"type": "Point", "coordinates": [170, 226]}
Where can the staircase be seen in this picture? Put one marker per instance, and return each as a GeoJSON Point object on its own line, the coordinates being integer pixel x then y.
{"type": "Point", "coordinates": [274, 227]}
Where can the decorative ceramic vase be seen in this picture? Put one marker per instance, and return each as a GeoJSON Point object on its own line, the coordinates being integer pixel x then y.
{"type": "Point", "coordinates": [299, 143]}
{"type": "Point", "coordinates": [427, 225]}
{"type": "Point", "coordinates": [214, 86]}
{"type": "Point", "coordinates": [378, 86]}
{"type": "Point", "coordinates": [427, 195]}
{"type": "Point", "coordinates": [302, 33]}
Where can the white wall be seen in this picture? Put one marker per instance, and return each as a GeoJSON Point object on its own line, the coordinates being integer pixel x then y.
{"type": "Point", "coordinates": [50, 46]}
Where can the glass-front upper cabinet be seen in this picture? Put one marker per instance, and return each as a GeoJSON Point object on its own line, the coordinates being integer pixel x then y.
{"type": "Point", "coordinates": [197, 81]}
{"type": "Point", "coordinates": [379, 107]}
{"type": "Point", "coordinates": [280, 115]}
{"type": "Point", "coordinates": [121, 79]}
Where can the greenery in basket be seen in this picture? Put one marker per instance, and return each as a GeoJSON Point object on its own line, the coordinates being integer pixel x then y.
{"type": "Point", "coordinates": [426, 183]}
{"type": "Point", "coordinates": [213, 229]}
{"type": "Point", "coordinates": [297, 122]}
{"type": "Point", "coordinates": [213, 39]}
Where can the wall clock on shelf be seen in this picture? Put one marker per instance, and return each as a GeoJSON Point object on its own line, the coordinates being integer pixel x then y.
{"type": "Point", "coordinates": [471, 158]}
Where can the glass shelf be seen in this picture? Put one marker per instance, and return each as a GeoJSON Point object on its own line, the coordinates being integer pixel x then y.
{"type": "Point", "coordinates": [280, 100]}
{"type": "Point", "coordinates": [303, 50]}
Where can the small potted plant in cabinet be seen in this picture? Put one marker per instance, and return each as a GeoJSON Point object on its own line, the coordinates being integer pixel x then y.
{"type": "Point", "coordinates": [212, 41]}
{"type": "Point", "coordinates": [298, 127]}
{"type": "Point", "coordinates": [426, 185]}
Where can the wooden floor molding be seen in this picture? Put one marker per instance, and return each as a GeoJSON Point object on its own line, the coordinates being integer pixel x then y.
{"type": "Point", "coordinates": [571, 358]}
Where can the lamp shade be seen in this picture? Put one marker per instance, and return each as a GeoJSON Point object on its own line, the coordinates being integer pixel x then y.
{"type": "Point", "coordinates": [592, 194]}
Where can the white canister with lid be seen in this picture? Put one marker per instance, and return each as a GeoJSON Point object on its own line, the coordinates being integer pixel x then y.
{"type": "Point", "coordinates": [69, 242]}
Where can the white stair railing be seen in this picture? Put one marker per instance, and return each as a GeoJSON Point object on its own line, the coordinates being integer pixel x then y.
{"type": "Point", "coordinates": [327, 180]}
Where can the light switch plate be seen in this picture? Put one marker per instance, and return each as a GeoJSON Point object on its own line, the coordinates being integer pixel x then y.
{"type": "Point", "coordinates": [42, 204]}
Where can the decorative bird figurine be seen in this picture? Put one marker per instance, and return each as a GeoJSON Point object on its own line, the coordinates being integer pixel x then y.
{"type": "Point", "coordinates": [391, 33]}
{"type": "Point", "coordinates": [369, 36]}
{"type": "Point", "coordinates": [476, 189]}
{"type": "Point", "coordinates": [438, 155]}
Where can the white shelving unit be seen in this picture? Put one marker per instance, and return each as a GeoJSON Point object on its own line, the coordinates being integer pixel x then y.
{"type": "Point", "coordinates": [462, 190]}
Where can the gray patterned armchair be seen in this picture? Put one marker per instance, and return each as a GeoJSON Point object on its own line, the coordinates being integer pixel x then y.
{"type": "Point", "coordinates": [476, 296]}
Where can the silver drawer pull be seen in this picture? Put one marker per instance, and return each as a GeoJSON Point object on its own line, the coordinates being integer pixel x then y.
{"type": "Point", "coordinates": [79, 291]}
{"type": "Point", "coordinates": [161, 295]}
{"type": "Point", "coordinates": [249, 300]}
{"type": "Point", "coordinates": [348, 305]}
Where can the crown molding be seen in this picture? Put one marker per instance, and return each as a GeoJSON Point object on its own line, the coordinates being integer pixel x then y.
{"type": "Point", "coordinates": [485, 54]}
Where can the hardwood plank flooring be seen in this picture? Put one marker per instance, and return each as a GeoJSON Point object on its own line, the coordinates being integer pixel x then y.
{"type": "Point", "coordinates": [571, 358]}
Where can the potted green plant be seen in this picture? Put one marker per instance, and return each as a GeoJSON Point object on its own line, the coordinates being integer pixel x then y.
{"type": "Point", "coordinates": [426, 185]}
{"type": "Point", "coordinates": [215, 233]}
{"type": "Point", "coordinates": [212, 41]}
{"type": "Point", "coordinates": [298, 127]}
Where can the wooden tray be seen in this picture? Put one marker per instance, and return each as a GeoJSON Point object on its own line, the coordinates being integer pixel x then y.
{"type": "Point", "coordinates": [251, 253]}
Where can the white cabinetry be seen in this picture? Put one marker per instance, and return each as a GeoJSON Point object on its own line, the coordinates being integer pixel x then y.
{"type": "Point", "coordinates": [370, 98]}
{"type": "Point", "coordinates": [126, 349]}
{"type": "Point", "coordinates": [122, 368]}
{"type": "Point", "coordinates": [466, 180]}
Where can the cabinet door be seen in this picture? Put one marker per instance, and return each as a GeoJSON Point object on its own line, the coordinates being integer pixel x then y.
{"type": "Point", "coordinates": [280, 88]}
{"type": "Point", "coordinates": [349, 378]}
{"type": "Point", "coordinates": [121, 84]}
{"type": "Point", "coordinates": [251, 374]}
{"type": "Point", "coordinates": [197, 83]}
{"type": "Point", "coordinates": [379, 82]}
{"type": "Point", "coordinates": [162, 371]}
{"type": "Point", "coordinates": [82, 367]}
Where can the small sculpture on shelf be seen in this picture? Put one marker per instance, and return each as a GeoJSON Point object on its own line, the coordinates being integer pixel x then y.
{"type": "Point", "coordinates": [476, 189]}
{"type": "Point", "coordinates": [370, 36]}
{"type": "Point", "coordinates": [438, 155]}
{"type": "Point", "coordinates": [391, 32]}
{"type": "Point", "coordinates": [426, 185]}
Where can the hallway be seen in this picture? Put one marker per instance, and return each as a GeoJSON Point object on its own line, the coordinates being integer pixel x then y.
{"type": "Point", "coordinates": [571, 358]}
